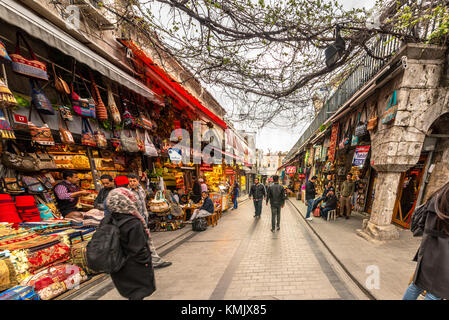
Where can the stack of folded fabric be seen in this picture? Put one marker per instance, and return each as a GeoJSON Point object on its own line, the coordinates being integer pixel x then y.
{"type": "Point", "coordinates": [8, 276]}
{"type": "Point", "coordinates": [20, 293]}
{"type": "Point", "coordinates": [27, 209]}
{"type": "Point", "coordinates": [55, 280]}
{"type": "Point", "coordinates": [47, 255]}
{"type": "Point", "coordinates": [8, 210]}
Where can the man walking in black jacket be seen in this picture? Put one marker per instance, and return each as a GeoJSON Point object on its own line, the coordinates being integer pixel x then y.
{"type": "Point", "coordinates": [258, 193]}
{"type": "Point", "coordinates": [276, 196]}
{"type": "Point", "coordinates": [310, 196]}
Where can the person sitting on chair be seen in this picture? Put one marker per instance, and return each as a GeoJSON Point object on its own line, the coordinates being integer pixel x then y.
{"type": "Point", "coordinates": [331, 204]}
{"type": "Point", "coordinates": [206, 209]}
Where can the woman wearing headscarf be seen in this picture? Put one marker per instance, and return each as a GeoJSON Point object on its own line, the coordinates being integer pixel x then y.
{"type": "Point", "coordinates": [135, 280]}
{"type": "Point", "coordinates": [432, 270]}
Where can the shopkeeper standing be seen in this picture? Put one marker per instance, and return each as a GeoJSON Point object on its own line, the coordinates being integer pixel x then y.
{"type": "Point", "coordinates": [67, 193]}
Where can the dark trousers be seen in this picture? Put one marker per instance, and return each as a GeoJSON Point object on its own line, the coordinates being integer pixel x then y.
{"type": "Point", "coordinates": [235, 202]}
{"type": "Point", "coordinates": [325, 211]}
{"type": "Point", "coordinates": [258, 207]}
{"type": "Point", "coordinates": [275, 217]}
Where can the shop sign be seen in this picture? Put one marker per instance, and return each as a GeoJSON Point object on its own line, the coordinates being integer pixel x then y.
{"type": "Point", "coordinates": [206, 167]}
{"type": "Point", "coordinates": [360, 155]}
{"type": "Point", "coordinates": [290, 169]}
{"type": "Point", "coordinates": [175, 154]}
{"type": "Point", "coordinates": [229, 172]}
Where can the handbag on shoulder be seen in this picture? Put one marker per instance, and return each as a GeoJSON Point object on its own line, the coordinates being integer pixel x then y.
{"type": "Point", "coordinates": [32, 68]}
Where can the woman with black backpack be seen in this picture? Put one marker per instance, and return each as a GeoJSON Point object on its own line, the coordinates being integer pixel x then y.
{"type": "Point", "coordinates": [135, 280]}
{"type": "Point", "coordinates": [432, 271]}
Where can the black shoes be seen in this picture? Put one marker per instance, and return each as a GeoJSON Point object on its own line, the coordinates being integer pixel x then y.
{"type": "Point", "coordinates": [163, 265]}
{"type": "Point", "coordinates": [278, 228]}
{"type": "Point", "coordinates": [347, 217]}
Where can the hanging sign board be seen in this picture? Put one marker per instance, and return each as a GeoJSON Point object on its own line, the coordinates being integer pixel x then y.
{"type": "Point", "coordinates": [360, 155]}
{"type": "Point", "coordinates": [175, 154]}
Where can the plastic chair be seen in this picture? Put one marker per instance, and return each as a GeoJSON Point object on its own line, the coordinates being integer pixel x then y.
{"type": "Point", "coordinates": [332, 214]}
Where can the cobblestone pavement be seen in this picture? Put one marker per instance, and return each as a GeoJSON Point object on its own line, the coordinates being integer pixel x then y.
{"type": "Point", "coordinates": [241, 258]}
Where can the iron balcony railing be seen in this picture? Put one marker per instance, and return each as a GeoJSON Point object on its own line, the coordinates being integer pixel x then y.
{"type": "Point", "coordinates": [386, 46]}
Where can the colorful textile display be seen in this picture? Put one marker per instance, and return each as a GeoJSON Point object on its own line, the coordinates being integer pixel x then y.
{"type": "Point", "coordinates": [56, 253]}
{"type": "Point", "coordinates": [78, 256]}
{"type": "Point", "coordinates": [8, 210]}
{"type": "Point", "coordinates": [20, 293]}
{"type": "Point", "coordinates": [27, 209]}
{"type": "Point", "coordinates": [25, 241]}
{"type": "Point", "coordinates": [56, 280]}
{"type": "Point", "coordinates": [8, 277]}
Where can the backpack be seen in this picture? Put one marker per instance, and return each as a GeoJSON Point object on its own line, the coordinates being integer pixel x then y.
{"type": "Point", "coordinates": [199, 224]}
{"type": "Point", "coordinates": [418, 220]}
{"type": "Point", "coordinates": [104, 253]}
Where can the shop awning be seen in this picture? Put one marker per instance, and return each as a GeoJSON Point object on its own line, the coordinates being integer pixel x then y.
{"type": "Point", "coordinates": [16, 14]}
{"type": "Point", "coordinates": [164, 80]}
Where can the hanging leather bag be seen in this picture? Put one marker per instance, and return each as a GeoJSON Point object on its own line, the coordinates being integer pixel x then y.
{"type": "Point", "coordinates": [32, 68]}
{"type": "Point", "coordinates": [19, 161]}
{"type": "Point", "coordinates": [64, 133]}
{"type": "Point", "coordinates": [11, 182]}
{"type": "Point", "coordinates": [45, 160]}
{"type": "Point", "coordinates": [150, 149]}
{"type": "Point", "coordinates": [392, 108]}
{"type": "Point", "coordinates": [60, 85]}
{"type": "Point", "coordinates": [32, 184]}
{"type": "Point", "coordinates": [100, 139]}
{"type": "Point", "coordinates": [373, 120]}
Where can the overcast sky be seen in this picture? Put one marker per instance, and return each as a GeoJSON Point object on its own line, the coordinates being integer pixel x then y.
{"type": "Point", "coordinates": [283, 139]}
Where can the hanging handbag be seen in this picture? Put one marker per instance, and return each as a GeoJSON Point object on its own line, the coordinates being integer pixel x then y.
{"type": "Point", "coordinates": [372, 122]}
{"type": "Point", "coordinates": [361, 128]}
{"type": "Point", "coordinates": [30, 68]}
{"type": "Point", "coordinates": [150, 149]}
{"type": "Point", "coordinates": [116, 142]}
{"type": "Point", "coordinates": [84, 107]}
{"type": "Point", "coordinates": [39, 100]}
{"type": "Point", "coordinates": [4, 57]}
{"type": "Point", "coordinates": [41, 135]}
{"type": "Point", "coordinates": [65, 113]}
{"type": "Point", "coordinates": [140, 139]}
{"type": "Point", "coordinates": [5, 128]}
{"type": "Point", "coordinates": [65, 134]}
{"type": "Point", "coordinates": [128, 119]}
{"type": "Point", "coordinates": [390, 113]}
{"type": "Point", "coordinates": [11, 182]}
{"type": "Point", "coordinates": [100, 139]}
{"type": "Point", "coordinates": [60, 85]}
{"type": "Point", "coordinates": [87, 135]}
{"type": "Point", "coordinates": [19, 161]}
{"type": "Point", "coordinates": [45, 160]}
{"type": "Point", "coordinates": [102, 113]}
{"type": "Point", "coordinates": [7, 99]}
{"type": "Point", "coordinates": [129, 143]}
{"type": "Point", "coordinates": [46, 182]}
{"type": "Point", "coordinates": [32, 184]}
{"type": "Point", "coordinates": [115, 113]}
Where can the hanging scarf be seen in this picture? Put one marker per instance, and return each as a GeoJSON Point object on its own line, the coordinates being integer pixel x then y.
{"type": "Point", "coordinates": [122, 200]}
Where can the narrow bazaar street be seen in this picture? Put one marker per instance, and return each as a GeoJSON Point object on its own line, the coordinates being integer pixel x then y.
{"type": "Point", "coordinates": [241, 259]}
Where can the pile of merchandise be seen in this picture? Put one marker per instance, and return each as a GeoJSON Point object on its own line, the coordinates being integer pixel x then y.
{"type": "Point", "coordinates": [41, 260]}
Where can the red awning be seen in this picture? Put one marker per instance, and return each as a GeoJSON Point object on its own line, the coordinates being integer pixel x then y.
{"type": "Point", "coordinates": [167, 83]}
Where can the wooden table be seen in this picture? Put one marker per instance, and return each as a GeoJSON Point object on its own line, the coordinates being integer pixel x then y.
{"type": "Point", "coordinates": [189, 207]}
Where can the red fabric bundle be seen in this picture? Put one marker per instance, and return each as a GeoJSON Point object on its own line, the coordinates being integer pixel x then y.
{"type": "Point", "coordinates": [59, 252]}
{"type": "Point", "coordinates": [27, 209]}
{"type": "Point", "coordinates": [8, 211]}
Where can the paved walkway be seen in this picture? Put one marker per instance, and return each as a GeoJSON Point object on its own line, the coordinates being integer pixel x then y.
{"type": "Point", "coordinates": [361, 258]}
{"type": "Point", "coordinates": [241, 258]}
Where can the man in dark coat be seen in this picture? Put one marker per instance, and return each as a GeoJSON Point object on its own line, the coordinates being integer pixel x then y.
{"type": "Point", "coordinates": [276, 196]}
{"type": "Point", "coordinates": [135, 280]}
{"type": "Point", "coordinates": [331, 203]}
{"type": "Point", "coordinates": [310, 196]}
{"type": "Point", "coordinates": [258, 193]}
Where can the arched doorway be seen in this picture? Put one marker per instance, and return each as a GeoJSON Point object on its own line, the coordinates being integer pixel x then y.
{"type": "Point", "coordinates": [413, 185]}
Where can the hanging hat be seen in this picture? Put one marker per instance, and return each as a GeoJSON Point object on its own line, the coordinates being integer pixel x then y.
{"type": "Point", "coordinates": [121, 181]}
